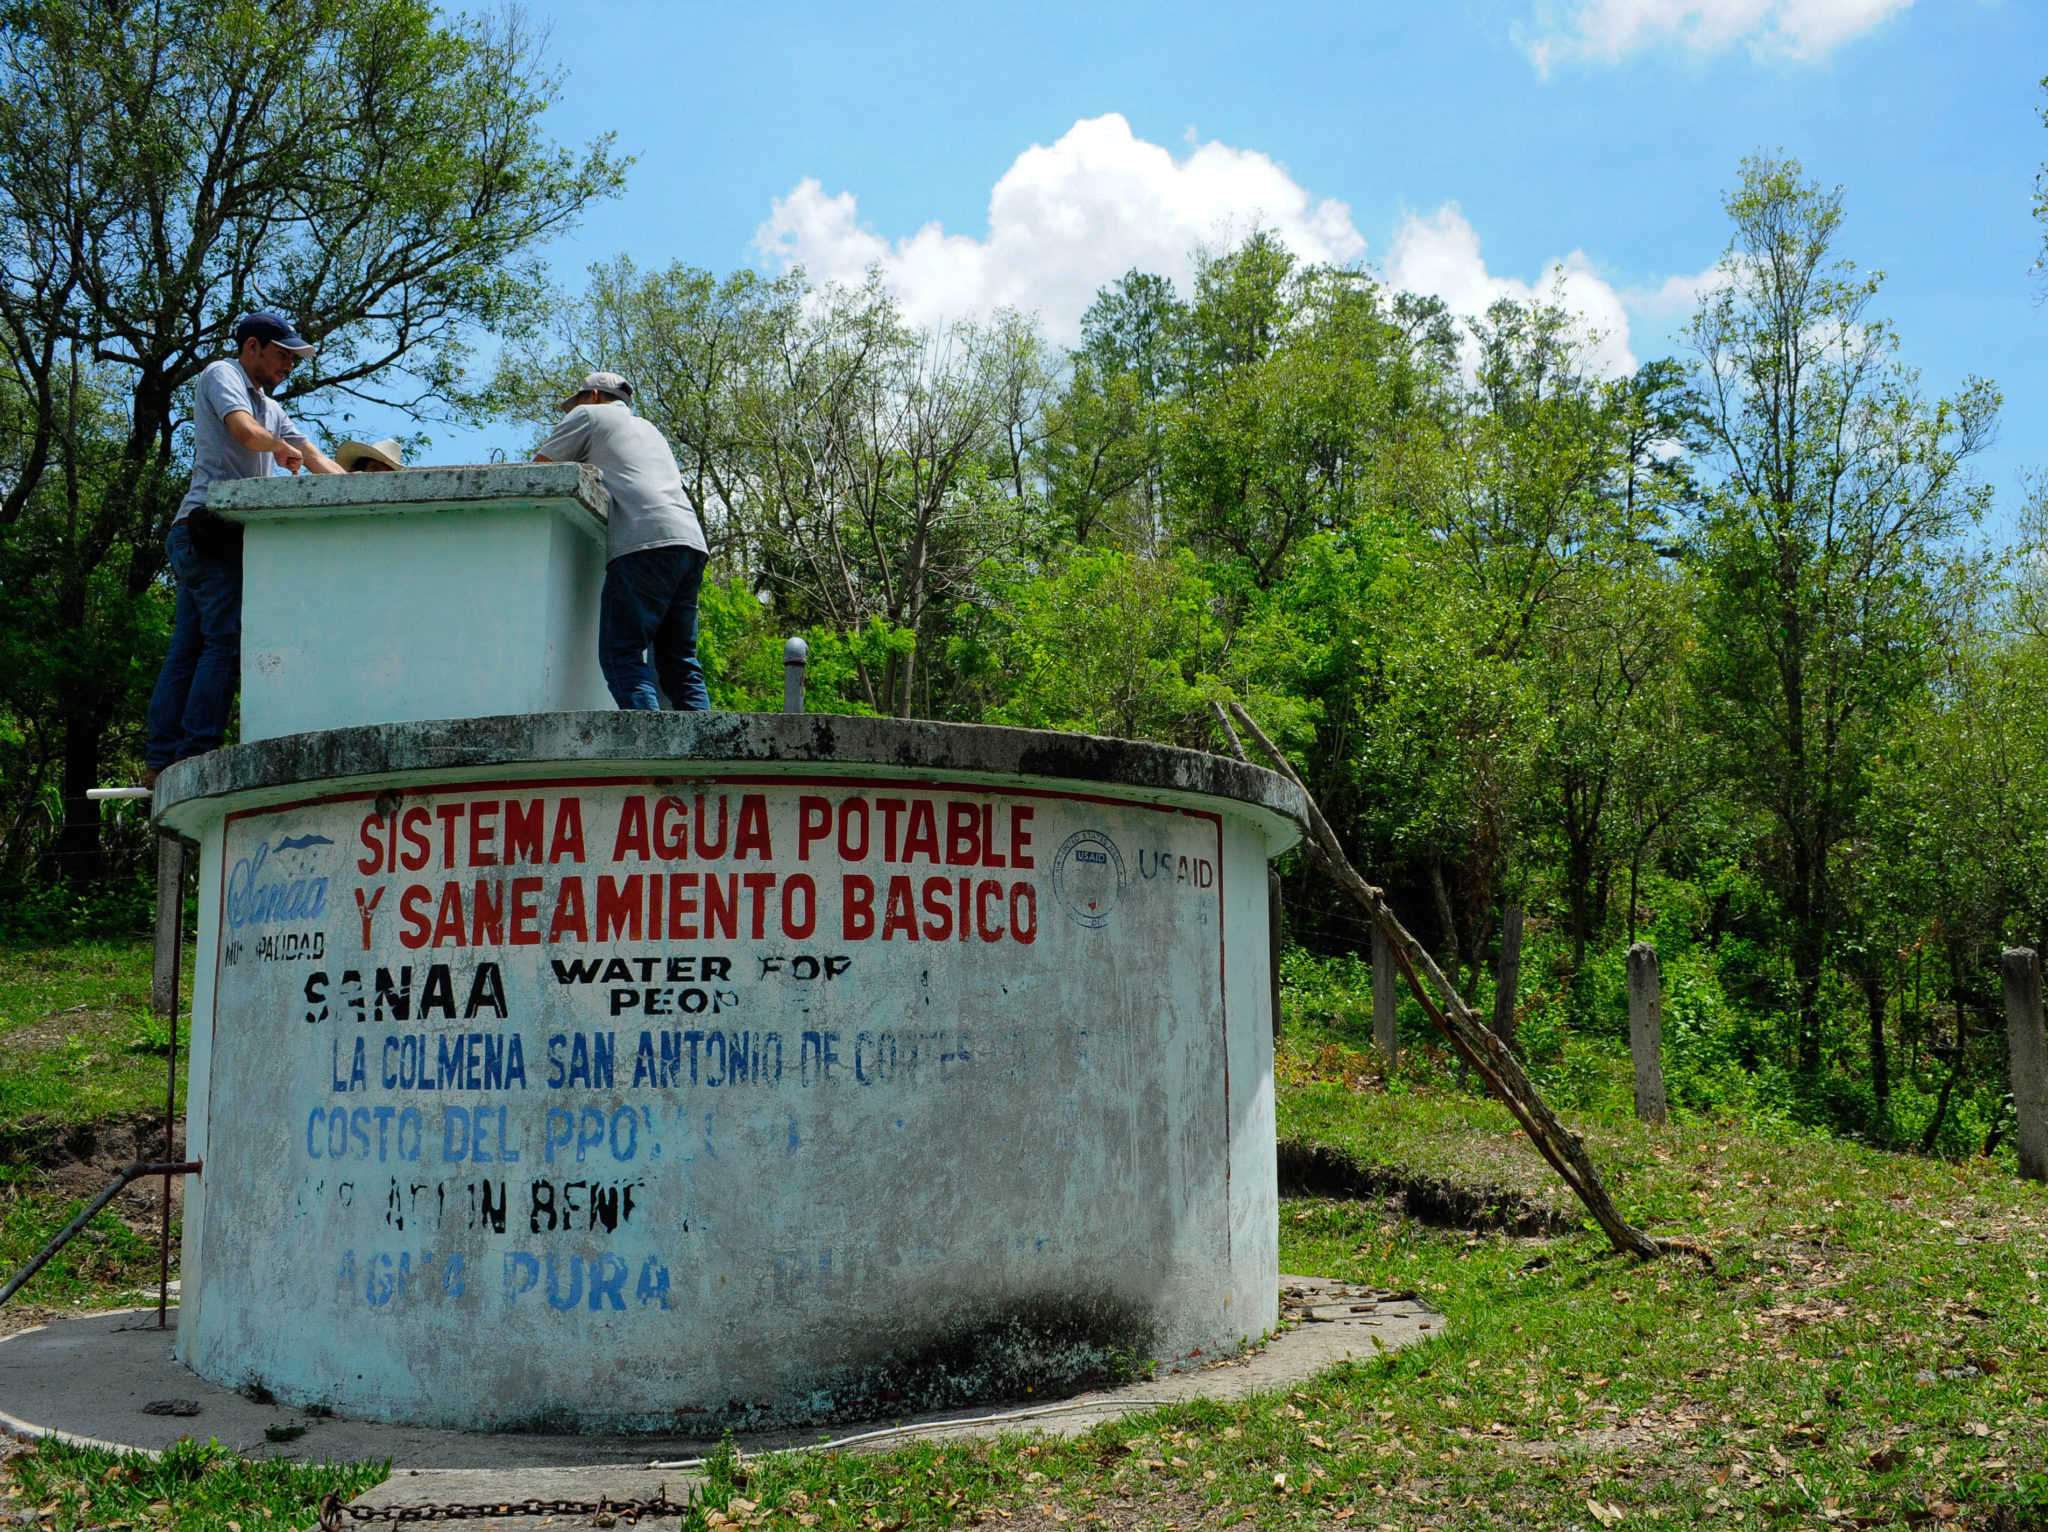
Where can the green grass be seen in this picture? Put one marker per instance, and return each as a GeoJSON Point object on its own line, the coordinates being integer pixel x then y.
{"type": "Point", "coordinates": [104, 1265]}
{"type": "Point", "coordinates": [77, 1041]}
{"type": "Point", "coordinates": [1800, 1382]}
{"type": "Point", "coordinates": [190, 1487]}
{"type": "Point", "coordinates": [1867, 1349]}
{"type": "Point", "coordinates": [78, 1046]}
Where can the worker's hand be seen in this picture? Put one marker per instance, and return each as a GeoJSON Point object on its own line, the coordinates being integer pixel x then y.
{"type": "Point", "coordinates": [289, 457]}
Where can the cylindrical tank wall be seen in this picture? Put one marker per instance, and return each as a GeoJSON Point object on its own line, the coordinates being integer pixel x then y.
{"type": "Point", "coordinates": [611, 1100]}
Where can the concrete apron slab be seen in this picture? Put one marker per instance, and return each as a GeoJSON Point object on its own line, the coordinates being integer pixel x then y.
{"type": "Point", "coordinates": [92, 1379]}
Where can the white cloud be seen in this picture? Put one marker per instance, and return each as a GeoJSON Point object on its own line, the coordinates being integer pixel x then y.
{"type": "Point", "coordinates": [1440, 254]}
{"type": "Point", "coordinates": [1610, 29]}
{"type": "Point", "coordinates": [1674, 297]}
{"type": "Point", "coordinates": [1064, 220]}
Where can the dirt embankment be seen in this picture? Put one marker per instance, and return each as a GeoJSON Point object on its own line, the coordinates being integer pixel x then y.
{"type": "Point", "coordinates": [1316, 1170]}
{"type": "Point", "coordinates": [70, 1162]}
{"type": "Point", "coordinates": [74, 1159]}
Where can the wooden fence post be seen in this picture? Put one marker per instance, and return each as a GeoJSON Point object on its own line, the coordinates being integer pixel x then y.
{"type": "Point", "coordinates": [1646, 1030]}
{"type": "Point", "coordinates": [1508, 975]}
{"type": "Point", "coordinates": [1385, 1031]}
{"type": "Point", "coordinates": [2024, 1031]}
{"type": "Point", "coordinates": [170, 925]}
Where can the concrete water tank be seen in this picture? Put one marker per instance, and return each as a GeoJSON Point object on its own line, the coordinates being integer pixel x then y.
{"type": "Point", "coordinates": [593, 1070]}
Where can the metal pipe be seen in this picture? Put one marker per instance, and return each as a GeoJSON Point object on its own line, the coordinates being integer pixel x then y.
{"type": "Point", "coordinates": [170, 949]}
{"type": "Point", "coordinates": [91, 1211]}
{"type": "Point", "coordinates": [795, 655]}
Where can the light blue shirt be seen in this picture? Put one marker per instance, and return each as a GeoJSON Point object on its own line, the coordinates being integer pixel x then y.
{"type": "Point", "coordinates": [222, 389]}
{"type": "Point", "coordinates": [648, 509]}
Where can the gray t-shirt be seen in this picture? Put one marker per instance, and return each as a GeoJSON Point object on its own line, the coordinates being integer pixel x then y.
{"type": "Point", "coordinates": [648, 506]}
{"type": "Point", "coordinates": [222, 389]}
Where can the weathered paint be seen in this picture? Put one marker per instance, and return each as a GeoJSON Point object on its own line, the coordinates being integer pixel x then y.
{"type": "Point", "coordinates": [432, 593]}
{"type": "Point", "coordinates": [784, 1139]}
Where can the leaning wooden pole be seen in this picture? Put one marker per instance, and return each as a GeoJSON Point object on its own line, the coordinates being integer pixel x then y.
{"type": "Point", "coordinates": [1470, 1038]}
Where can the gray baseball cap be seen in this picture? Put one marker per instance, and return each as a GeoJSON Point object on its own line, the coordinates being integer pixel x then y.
{"type": "Point", "coordinates": [608, 383]}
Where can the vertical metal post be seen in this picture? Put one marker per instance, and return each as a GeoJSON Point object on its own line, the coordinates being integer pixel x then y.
{"type": "Point", "coordinates": [163, 999]}
{"type": "Point", "coordinates": [795, 654]}
{"type": "Point", "coordinates": [2029, 1044]}
{"type": "Point", "coordinates": [1646, 1030]}
{"type": "Point", "coordinates": [1275, 940]}
{"type": "Point", "coordinates": [1386, 1031]}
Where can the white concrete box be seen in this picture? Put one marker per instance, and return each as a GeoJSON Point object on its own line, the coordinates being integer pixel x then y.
{"type": "Point", "coordinates": [427, 593]}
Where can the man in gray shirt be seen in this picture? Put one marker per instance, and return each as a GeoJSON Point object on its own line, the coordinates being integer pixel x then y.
{"type": "Point", "coordinates": [238, 432]}
{"type": "Point", "coordinates": [654, 549]}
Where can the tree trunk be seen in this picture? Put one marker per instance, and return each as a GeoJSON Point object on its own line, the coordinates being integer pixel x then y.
{"type": "Point", "coordinates": [80, 857]}
{"type": "Point", "coordinates": [1874, 998]}
{"type": "Point", "coordinates": [1446, 919]}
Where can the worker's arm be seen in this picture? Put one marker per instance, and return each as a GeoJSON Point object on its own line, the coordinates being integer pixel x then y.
{"type": "Point", "coordinates": [541, 457]}
{"type": "Point", "coordinates": [242, 427]}
{"type": "Point", "coordinates": [290, 455]}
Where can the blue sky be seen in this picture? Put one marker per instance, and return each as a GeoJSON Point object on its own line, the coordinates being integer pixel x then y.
{"type": "Point", "coordinates": [1468, 147]}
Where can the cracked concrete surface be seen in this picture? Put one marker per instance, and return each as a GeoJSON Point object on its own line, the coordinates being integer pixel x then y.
{"type": "Point", "coordinates": [90, 1379]}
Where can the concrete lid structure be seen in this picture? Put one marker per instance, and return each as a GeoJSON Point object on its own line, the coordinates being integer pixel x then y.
{"type": "Point", "coordinates": [188, 793]}
{"type": "Point", "coordinates": [576, 489]}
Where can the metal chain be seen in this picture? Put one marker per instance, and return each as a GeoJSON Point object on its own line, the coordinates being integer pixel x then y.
{"type": "Point", "coordinates": [334, 1513]}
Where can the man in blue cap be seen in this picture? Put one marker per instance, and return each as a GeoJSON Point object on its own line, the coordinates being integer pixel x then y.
{"type": "Point", "coordinates": [238, 432]}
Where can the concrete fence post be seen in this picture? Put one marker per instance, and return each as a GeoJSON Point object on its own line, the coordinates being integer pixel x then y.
{"type": "Point", "coordinates": [1385, 1031]}
{"type": "Point", "coordinates": [2024, 1032]}
{"type": "Point", "coordinates": [795, 655]}
{"type": "Point", "coordinates": [170, 927]}
{"type": "Point", "coordinates": [1508, 975]}
{"type": "Point", "coordinates": [1646, 1030]}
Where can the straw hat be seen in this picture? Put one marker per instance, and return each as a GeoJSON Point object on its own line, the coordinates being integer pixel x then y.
{"type": "Point", "coordinates": [352, 454]}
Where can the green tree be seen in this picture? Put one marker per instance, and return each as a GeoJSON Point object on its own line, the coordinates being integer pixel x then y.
{"type": "Point", "coordinates": [1102, 453]}
{"type": "Point", "coordinates": [1107, 642]}
{"type": "Point", "coordinates": [699, 350]}
{"type": "Point", "coordinates": [375, 170]}
{"type": "Point", "coordinates": [1296, 388]}
{"type": "Point", "coordinates": [1835, 485]}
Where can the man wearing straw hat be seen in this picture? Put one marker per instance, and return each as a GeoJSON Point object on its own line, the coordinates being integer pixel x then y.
{"type": "Point", "coordinates": [654, 550]}
{"type": "Point", "coordinates": [370, 457]}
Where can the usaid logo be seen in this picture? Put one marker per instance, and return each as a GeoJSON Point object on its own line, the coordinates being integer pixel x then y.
{"type": "Point", "coordinates": [1088, 877]}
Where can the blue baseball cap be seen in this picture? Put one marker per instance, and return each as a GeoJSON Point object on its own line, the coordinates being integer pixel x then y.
{"type": "Point", "coordinates": [268, 324]}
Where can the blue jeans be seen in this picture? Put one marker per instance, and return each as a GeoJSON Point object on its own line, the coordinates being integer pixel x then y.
{"type": "Point", "coordinates": [195, 691]}
{"type": "Point", "coordinates": [650, 600]}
